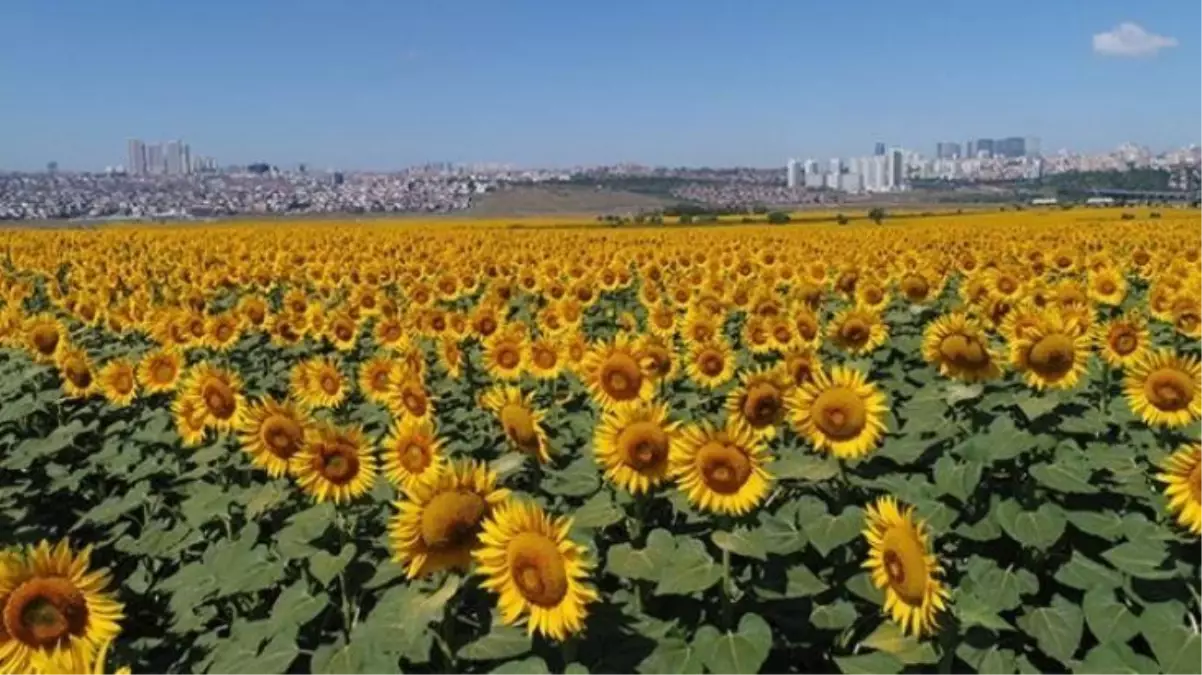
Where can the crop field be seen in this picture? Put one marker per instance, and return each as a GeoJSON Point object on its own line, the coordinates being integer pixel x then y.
{"type": "Point", "coordinates": [957, 444]}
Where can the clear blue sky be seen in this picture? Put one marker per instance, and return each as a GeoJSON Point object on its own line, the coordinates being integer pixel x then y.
{"type": "Point", "coordinates": [390, 83]}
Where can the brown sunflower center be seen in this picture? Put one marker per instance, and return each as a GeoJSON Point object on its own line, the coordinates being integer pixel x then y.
{"type": "Point", "coordinates": [339, 463]}
{"type": "Point", "coordinates": [452, 519]}
{"type": "Point", "coordinates": [802, 371]}
{"type": "Point", "coordinates": [1169, 389]}
{"type": "Point", "coordinates": [282, 435]}
{"type": "Point", "coordinates": [508, 356]}
{"type": "Point", "coordinates": [44, 611]}
{"type": "Point", "coordinates": [379, 379]}
{"type": "Point", "coordinates": [855, 331]}
{"type": "Point", "coordinates": [873, 295]}
{"type": "Point", "coordinates": [1107, 287]}
{"type": "Point", "coordinates": [45, 339]}
{"type": "Point", "coordinates": [710, 363]}
{"type": "Point", "coordinates": [1123, 340]}
{"type": "Point", "coordinates": [544, 358]}
{"type": "Point", "coordinates": [620, 377]}
{"type": "Point", "coordinates": [1007, 285]}
{"type": "Point", "coordinates": [391, 332]}
{"type": "Point", "coordinates": [538, 569]}
{"type": "Point", "coordinates": [330, 383]}
{"type": "Point", "coordinates": [964, 351]}
{"type": "Point", "coordinates": [343, 332]}
{"type": "Point", "coordinates": [762, 404]}
{"type": "Point", "coordinates": [905, 564]}
{"type": "Point", "coordinates": [224, 332]}
{"type": "Point", "coordinates": [840, 413]}
{"type": "Point", "coordinates": [656, 360]}
{"type": "Point", "coordinates": [219, 399]}
{"type": "Point", "coordinates": [415, 457]}
{"type": "Point", "coordinates": [1052, 355]}
{"type": "Point", "coordinates": [724, 468]}
{"type": "Point", "coordinates": [644, 445]}
{"type": "Point", "coordinates": [415, 400]}
{"type": "Point", "coordinates": [520, 426]}
{"type": "Point", "coordinates": [78, 373]}
{"type": "Point", "coordinates": [1186, 320]}
{"type": "Point", "coordinates": [162, 372]}
{"type": "Point", "coordinates": [915, 287]}
{"type": "Point", "coordinates": [123, 381]}
{"type": "Point", "coordinates": [664, 320]}
{"type": "Point", "coordinates": [807, 328]}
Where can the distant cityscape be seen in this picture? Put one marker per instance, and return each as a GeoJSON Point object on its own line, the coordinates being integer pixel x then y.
{"type": "Point", "coordinates": [171, 158]}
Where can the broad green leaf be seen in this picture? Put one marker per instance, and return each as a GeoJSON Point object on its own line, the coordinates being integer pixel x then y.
{"type": "Point", "coordinates": [1116, 658]}
{"type": "Point", "coordinates": [598, 512]}
{"type": "Point", "coordinates": [401, 618]}
{"type": "Point", "coordinates": [689, 570]}
{"type": "Point", "coordinates": [780, 531]}
{"type": "Point", "coordinates": [302, 528]}
{"type": "Point", "coordinates": [1107, 618]}
{"type": "Point", "coordinates": [956, 479]}
{"type": "Point", "coordinates": [1034, 406]}
{"type": "Point", "coordinates": [836, 616]}
{"type": "Point", "coordinates": [295, 606]}
{"type": "Point", "coordinates": [1084, 574]}
{"type": "Point", "coordinates": [1105, 524]}
{"type": "Point", "coordinates": [876, 663]}
{"type": "Point", "coordinates": [1057, 629]}
{"type": "Point", "coordinates": [385, 572]}
{"type": "Point", "coordinates": [958, 392]}
{"type": "Point", "coordinates": [804, 466]}
{"type": "Point", "coordinates": [579, 479]}
{"type": "Point", "coordinates": [528, 666]}
{"type": "Point", "coordinates": [116, 506]}
{"type": "Point", "coordinates": [985, 529]}
{"type": "Point", "coordinates": [1000, 589]}
{"type": "Point", "coordinates": [903, 451]}
{"type": "Point", "coordinates": [357, 656]}
{"type": "Point", "coordinates": [1140, 559]}
{"type": "Point", "coordinates": [827, 532]}
{"type": "Point", "coordinates": [889, 638]}
{"type": "Point", "coordinates": [1063, 475]}
{"type": "Point", "coordinates": [502, 642]}
{"type": "Point", "coordinates": [741, 651]}
{"type": "Point", "coordinates": [324, 566]}
{"type": "Point", "coordinates": [802, 582]}
{"type": "Point", "coordinates": [861, 586]}
{"type": "Point", "coordinates": [647, 563]}
{"type": "Point", "coordinates": [741, 541]}
{"type": "Point", "coordinates": [991, 659]}
{"type": "Point", "coordinates": [1176, 647]}
{"type": "Point", "coordinates": [973, 611]}
{"type": "Point", "coordinates": [673, 656]}
{"type": "Point", "coordinates": [1038, 529]}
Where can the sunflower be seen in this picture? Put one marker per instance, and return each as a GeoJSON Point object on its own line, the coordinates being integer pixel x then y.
{"type": "Point", "coordinates": [917, 287]}
{"type": "Point", "coordinates": [1107, 286]}
{"type": "Point", "coordinates": [656, 358]}
{"type": "Point", "coordinates": [661, 319]}
{"type": "Point", "coordinates": [841, 411]}
{"type": "Point", "coordinates": [44, 337]}
{"type": "Point", "coordinates": [334, 463]}
{"type": "Point", "coordinates": [342, 331]}
{"type": "Point", "coordinates": [1187, 314]}
{"type": "Point", "coordinates": [388, 331]}
{"type": "Point", "coordinates": [118, 382]}
{"type": "Point", "coordinates": [701, 326]}
{"type": "Point", "coordinates": [57, 612]}
{"type": "Point", "coordinates": [318, 383]}
{"type": "Point", "coordinates": [505, 354]}
{"type": "Point", "coordinates": [800, 364]}
{"type": "Point", "coordinates": [375, 378]}
{"type": "Point", "coordinates": [543, 359]}
{"type": "Point", "coordinates": [960, 348]}
{"type": "Point", "coordinates": [633, 445]}
{"type": "Point", "coordinates": [222, 331]}
{"type": "Point", "coordinates": [77, 372]}
{"type": "Point", "coordinates": [523, 424]}
{"type": "Point", "coordinates": [1124, 340]}
{"type": "Point", "coordinates": [437, 525]}
{"type": "Point", "coordinates": [756, 335]}
{"type": "Point", "coordinates": [451, 356]}
{"type": "Point", "coordinates": [44, 664]}
{"type": "Point", "coordinates": [710, 364]}
{"type": "Point", "coordinates": [721, 469]}
{"type": "Point", "coordinates": [412, 453]}
{"type": "Point", "coordinates": [614, 376]}
{"type": "Point", "coordinates": [902, 565]}
{"type": "Point", "coordinates": [216, 395]}
{"type": "Point", "coordinates": [286, 329]}
{"type": "Point", "coordinates": [272, 433]}
{"type": "Point", "coordinates": [1053, 354]}
{"type": "Point", "coordinates": [407, 395]}
{"type": "Point", "coordinates": [1163, 387]}
{"type": "Point", "coordinates": [189, 416]}
{"type": "Point", "coordinates": [159, 371]}
{"type": "Point", "coordinates": [527, 558]}
{"type": "Point", "coordinates": [1182, 476]}
{"type": "Point", "coordinates": [759, 400]}
{"type": "Point", "coordinates": [858, 330]}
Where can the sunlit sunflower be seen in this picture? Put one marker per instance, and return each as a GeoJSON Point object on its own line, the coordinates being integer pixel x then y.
{"type": "Point", "coordinates": [217, 395]}
{"type": "Point", "coordinates": [318, 383]}
{"type": "Point", "coordinates": [613, 375]}
{"type": "Point", "coordinates": [118, 382]}
{"type": "Point", "coordinates": [451, 356]}
{"type": "Point", "coordinates": [633, 445]}
{"type": "Point", "coordinates": [1163, 388]}
{"type": "Point", "coordinates": [159, 371]}
{"type": "Point", "coordinates": [335, 463]}
{"type": "Point", "coordinates": [44, 664]}
{"type": "Point", "coordinates": [800, 364]}
{"type": "Point", "coordinates": [759, 400]}
{"type": "Point", "coordinates": [342, 331]}
{"type": "Point", "coordinates": [1181, 472]}
{"type": "Point", "coordinates": [438, 523]}
{"type": "Point", "coordinates": [77, 373]}
{"type": "Point", "coordinates": [286, 329]}
{"type": "Point", "coordinates": [1124, 340]}
{"type": "Point", "coordinates": [375, 378]}
{"type": "Point", "coordinates": [858, 330]}
{"type": "Point", "coordinates": [412, 453]}
{"type": "Point", "coordinates": [901, 564]}
{"type": "Point", "coordinates": [1187, 314]}
{"type": "Point", "coordinates": [957, 344]}
{"type": "Point", "coordinates": [57, 613]}
{"type": "Point", "coordinates": [841, 412]}
{"type": "Point", "coordinates": [408, 396]}
{"type": "Point", "coordinates": [505, 355]}
{"type": "Point", "coordinates": [1052, 355]}
{"type": "Point", "coordinates": [656, 358]}
{"type": "Point", "coordinates": [190, 420]}
{"type": "Point", "coordinates": [222, 331]}
{"type": "Point", "coordinates": [272, 433]}
{"type": "Point", "coordinates": [527, 558]}
{"type": "Point", "coordinates": [1107, 286]}
{"type": "Point", "coordinates": [721, 469]}
{"type": "Point", "coordinates": [44, 337]}
{"type": "Point", "coordinates": [522, 422]}
{"type": "Point", "coordinates": [543, 359]}
{"type": "Point", "coordinates": [710, 364]}
{"type": "Point", "coordinates": [388, 331]}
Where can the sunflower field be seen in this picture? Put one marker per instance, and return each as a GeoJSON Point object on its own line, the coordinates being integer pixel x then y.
{"type": "Point", "coordinates": [959, 444]}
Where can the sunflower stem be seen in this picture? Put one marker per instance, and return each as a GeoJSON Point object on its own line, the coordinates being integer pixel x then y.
{"type": "Point", "coordinates": [727, 582]}
{"type": "Point", "coordinates": [1104, 399]}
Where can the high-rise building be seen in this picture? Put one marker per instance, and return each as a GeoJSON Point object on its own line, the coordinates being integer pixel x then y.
{"type": "Point", "coordinates": [970, 149]}
{"type": "Point", "coordinates": [186, 159]}
{"type": "Point", "coordinates": [835, 166]}
{"type": "Point", "coordinates": [947, 150]}
{"type": "Point", "coordinates": [1014, 146]}
{"type": "Point", "coordinates": [154, 159]}
{"type": "Point", "coordinates": [1032, 146]}
{"type": "Point", "coordinates": [790, 173]}
{"type": "Point", "coordinates": [137, 158]}
{"type": "Point", "coordinates": [51, 167]}
{"type": "Point", "coordinates": [809, 167]}
{"type": "Point", "coordinates": [174, 158]}
{"type": "Point", "coordinates": [896, 169]}
{"type": "Point", "coordinates": [985, 145]}
{"type": "Point", "coordinates": [878, 150]}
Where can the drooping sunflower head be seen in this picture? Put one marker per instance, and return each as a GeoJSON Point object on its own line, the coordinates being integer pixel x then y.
{"type": "Point", "coordinates": [710, 364]}
{"type": "Point", "coordinates": [1122, 341]}
{"type": "Point", "coordinates": [1053, 354]}
{"type": "Point", "coordinates": [335, 463]}
{"type": "Point", "coordinates": [902, 565]}
{"type": "Point", "coordinates": [272, 433]}
{"type": "Point", "coordinates": [633, 446]}
{"type": "Point", "coordinates": [190, 418]}
{"type": "Point", "coordinates": [1181, 472]}
{"type": "Point", "coordinates": [614, 376]}
{"type": "Point", "coordinates": [656, 358]}
{"type": "Point", "coordinates": [858, 330]}
{"type": "Point", "coordinates": [520, 419]}
{"type": "Point", "coordinates": [958, 345]}
{"type": "Point", "coordinates": [721, 469]}
{"type": "Point", "coordinates": [759, 400]}
{"type": "Point", "coordinates": [527, 558]}
{"type": "Point", "coordinates": [412, 453]}
{"type": "Point", "coordinates": [917, 287]}
{"type": "Point", "coordinates": [57, 613]}
{"type": "Point", "coordinates": [438, 523]}
{"type": "Point", "coordinates": [840, 411]}
{"type": "Point", "coordinates": [800, 364]}
{"type": "Point", "coordinates": [1163, 388]}
{"type": "Point", "coordinates": [78, 375]}
{"type": "Point", "coordinates": [159, 370]}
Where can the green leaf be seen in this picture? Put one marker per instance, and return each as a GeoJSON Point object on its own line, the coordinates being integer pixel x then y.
{"type": "Point", "coordinates": [869, 664]}
{"type": "Point", "coordinates": [1064, 475]}
{"type": "Point", "coordinates": [358, 656]}
{"type": "Point", "coordinates": [827, 532]}
{"type": "Point", "coordinates": [1084, 574]}
{"type": "Point", "coordinates": [836, 616]}
{"type": "Point", "coordinates": [401, 618]}
{"type": "Point", "coordinates": [673, 656]}
{"type": "Point", "coordinates": [1105, 524]}
{"type": "Point", "coordinates": [1107, 618]}
{"type": "Point", "coordinates": [957, 392]}
{"type": "Point", "coordinates": [114, 507]}
{"type": "Point", "coordinates": [985, 529]}
{"type": "Point", "coordinates": [303, 527]}
{"type": "Point", "coordinates": [1139, 559]}
{"type": "Point", "coordinates": [530, 666]}
{"type": "Point", "coordinates": [1116, 658]}
{"type": "Point", "coordinates": [802, 582]}
{"type": "Point", "coordinates": [385, 572]}
{"type": "Point", "coordinates": [1177, 648]}
{"type": "Point", "coordinates": [1057, 629]}
{"type": "Point", "coordinates": [973, 611]}
{"type": "Point", "coordinates": [598, 512]}
{"type": "Point", "coordinates": [804, 466]}
{"type": "Point", "coordinates": [295, 606]}
{"type": "Point", "coordinates": [780, 532]}
{"type": "Point", "coordinates": [889, 638]}
{"type": "Point", "coordinates": [956, 479]}
{"type": "Point", "coordinates": [324, 566]}
{"type": "Point", "coordinates": [861, 586]}
{"type": "Point", "coordinates": [579, 479]}
{"type": "Point", "coordinates": [903, 451]}
{"type": "Point", "coordinates": [689, 570]}
{"type": "Point", "coordinates": [1038, 529]}
{"type": "Point", "coordinates": [742, 651]}
{"type": "Point", "coordinates": [1000, 589]}
{"type": "Point", "coordinates": [502, 642]}
{"type": "Point", "coordinates": [1034, 406]}
{"type": "Point", "coordinates": [741, 541]}
{"type": "Point", "coordinates": [991, 659]}
{"type": "Point", "coordinates": [647, 563]}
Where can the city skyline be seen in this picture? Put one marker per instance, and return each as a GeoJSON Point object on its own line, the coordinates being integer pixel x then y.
{"type": "Point", "coordinates": [384, 85]}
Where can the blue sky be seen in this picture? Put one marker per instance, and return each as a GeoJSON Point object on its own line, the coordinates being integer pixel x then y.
{"type": "Point", "coordinates": [390, 83]}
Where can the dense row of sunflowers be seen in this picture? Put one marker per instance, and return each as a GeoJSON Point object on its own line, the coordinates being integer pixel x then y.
{"type": "Point", "coordinates": [746, 317]}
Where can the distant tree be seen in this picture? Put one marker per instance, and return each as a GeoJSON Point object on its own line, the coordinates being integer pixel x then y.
{"type": "Point", "coordinates": [778, 218]}
{"type": "Point", "coordinates": [640, 219]}
{"type": "Point", "coordinates": [841, 219]}
{"type": "Point", "coordinates": [1128, 216]}
{"type": "Point", "coordinates": [1154, 215]}
{"type": "Point", "coordinates": [747, 219]}
{"type": "Point", "coordinates": [685, 219]}
{"type": "Point", "coordinates": [876, 215]}
{"type": "Point", "coordinates": [759, 209]}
